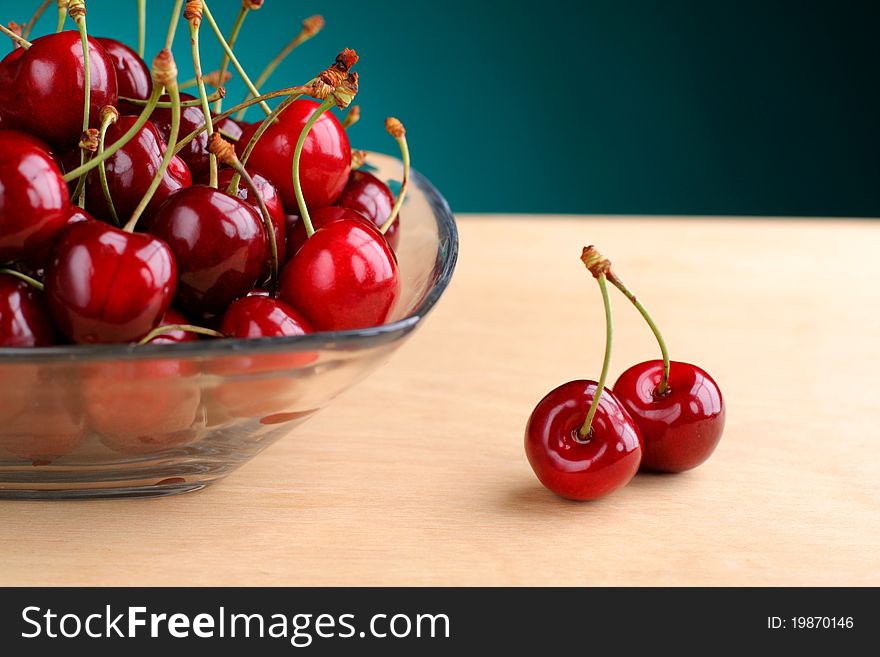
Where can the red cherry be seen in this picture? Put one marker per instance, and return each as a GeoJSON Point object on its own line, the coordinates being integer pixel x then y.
{"type": "Point", "coordinates": [177, 336]}
{"type": "Point", "coordinates": [326, 155]}
{"type": "Point", "coordinates": [344, 277]}
{"type": "Point", "coordinates": [195, 153]}
{"type": "Point", "coordinates": [106, 285]}
{"type": "Point", "coordinates": [34, 201]}
{"type": "Point", "coordinates": [371, 197]}
{"type": "Point", "coordinates": [291, 221]}
{"type": "Point", "coordinates": [681, 428]}
{"type": "Point", "coordinates": [24, 317]}
{"type": "Point", "coordinates": [273, 205]}
{"type": "Point", "coordinates": [42, 88]}
{"type": "Point", "coordinates": [259, 316]}
{"type": "Point", "coordinates": [575, 468]}
{"type": "Point", "coordinates": [132, 75]}
{"type": "Point", "coordinates": [219, 244]}
{"type": "Point", "coordinates": [130, 172]}
{"type": "Point", "coordinates": [232, 130]}
{"type": "Point", "coordinates": [320, 218]}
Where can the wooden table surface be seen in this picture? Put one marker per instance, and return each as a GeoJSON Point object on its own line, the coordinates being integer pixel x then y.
{"type": "Point", "coordinates": [417, 476]}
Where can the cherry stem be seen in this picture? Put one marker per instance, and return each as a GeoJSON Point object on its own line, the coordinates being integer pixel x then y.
{"type": "Point", "coordinates": [258, 133]}
{"type": "Point", "coordinates": [353, 116]}
{"type": "Point", "coordinates": [108, 119]}
{"type": "Point", "coordinates": [172, 26]}
{"type": "Point", "coordinates": [399, 133]}
{"type": "Point", "coordinates": [171, 87]}
{"type": "Point", "coordinates": [297, 154]}
{"type": "Point", "coordinates": [232, 110]}
{"type": "Point", "coordinates": [663, 388]}
{"type": "Point", "coordinates": [233, 37]}
{"type": "Point", "coordinates": [307, 32]}
{"type": "Point", "coordinates": [142, 27]}
{"type": "Point", "coordinates": [24, 43]}
{"type": "Point", "coordinates": [203, 96]}
{"type": "Point", "coordinates": [232, 57]}
{"type": "Point", "coordinates": [166, 104]}
{"type": "Point", "coordinates": [117, 145]}
{"type": "Point", "coordinates": [62, 15]}
{"type": "Point", "coordinates": [33, 21]}
{"type": "Point", "coordinates": [77, 11]}
{"type": "Point", "coordinates": [33, 282]}
{"type": "Point", "coordinates": [187, 328]}
{"type": "Point", "coordinates": [584, 432]}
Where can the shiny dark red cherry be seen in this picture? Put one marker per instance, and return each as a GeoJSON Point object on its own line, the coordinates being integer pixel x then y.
{"type": "Point", "coordinates": [219, 243]}
{"type": "Point", "coordinates": [24, 317]}
{"type": "Point", "coordinates": [326, 156]}
{"type": "Point", "coordinates": [106, 285]}
{"type": "Point", "coordinates": [373, 199]}
{"type": "Point", "coordinates": [229, 128]}
{"type": "Point", "coordinates": [576, 468]}
{"type": "Point", "coordinates": [34, 201]}
{"type": "Point", "coordinates": [262, 317]}
{"type": "Point", "coordinates": [319, 218]}
{"type": "Point", "coordinates": [195, 153]}
{"type": "Point", "coordinates": [681, 428]}
{"type": "Point", "coordinates": [130, 172]}
{"type": "Point", "coordinates": [176, 336]}
{"type": "Point", "coordinates": [42, 89]}
{"type": "Point", "coordinates": [132, 75]}
{"type": "Point", "coordinates": [344, 277]}
{"type": "Point", "coordinates": [35, 264]}
{"type": "Point", "coordinates": [273, 204]}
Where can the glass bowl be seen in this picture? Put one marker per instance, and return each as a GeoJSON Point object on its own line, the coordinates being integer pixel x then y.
{"type": "Point", "coordinates": [121, 420]}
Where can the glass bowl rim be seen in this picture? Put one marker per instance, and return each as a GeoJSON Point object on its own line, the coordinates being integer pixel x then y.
{"type": "Point", "coordinates": [354, 339]}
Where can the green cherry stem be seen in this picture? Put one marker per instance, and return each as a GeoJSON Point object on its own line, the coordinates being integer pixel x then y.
{"type": "Point", "coordinates": [33, 21]}
{"type": "Point", "coordinates": [77, 10]}
{"type": "Point", "coordinates": [395, 129]}
{"type": "Point", "coordinates": [33, 282]}
{"type": "Point", "coordinates": [166, 104]}
{"type": "Point", "coordinates": [109, 116]}
{"type": "Point", "coordinates": [663, 387]}
{"type": "Point", "coordinates": [24, 43]}
{"type": "Point", "coordinates": [193, 14]}
{"type": "Point", "coordinates": [142, 27]}
{"type": "Point", "coordinates": [599, 272]}
{"type": "Point", "coordinates": [62, 15]}
{"type": "Point", "coordinates": [310, 27]}
{"type": "Point", "coordinates": [169, 328]}
{"type": "Point", "coordinates": [226, 49]}
{"type": "Point", "coordinates": [297, 155]}
{"type": "Point", "coordinates": [246, 7]}
{"type": "Point", "coordinates": [172, 25]}
{"type": "Point", "coordinates": [169, 81]}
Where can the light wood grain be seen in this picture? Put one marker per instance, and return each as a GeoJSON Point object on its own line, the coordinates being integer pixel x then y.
{"type": "Point", "coordinates": [417, 476]}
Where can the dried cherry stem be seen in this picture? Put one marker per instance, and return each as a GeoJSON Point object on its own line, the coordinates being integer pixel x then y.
{"type": "Point", "coordinates": [297, 155]}
{"type": "Point", "coordinates": [599, 266]}
{"type": "Point", "coordinates": [172, 26]}
{"type": "Point", "coordinates": [310, 27]}
{"type": "Point", "coordinates": [28, 28]}
{"type": "Point", "coordinates": [225, 153]}
{"type": "Point", "coordinates": [211, 79]}
{"type": "Point", "coordinates": [166, 104]}
{"type": "Point", "coordinates": [109, 116]}
{"type": "Point", "coordinates": [353, 116]}
{"type": "Point", "coordinates": [395, 129]}
{"type": "Point", "coordinates": [167, 77]}
{"type": "Point", "coordinates": [159, 331]}
{"type": "Point", "coordinates": [226, 49]}
{"type": "Point", "coordinates": [142, 27]}
{"type": "Point", "coordinates": [663, 387]}
{"type": "Point", "coordinates": [17, 38]}
{"type": "Point", "coordinates": [62, 15]}
{"type": "Point", "coordinates": [246, 7]}
{"type": "Point", "coordinates": [193, 13]}
{"type": "Point", "coordinates": [33, 282]}
{"type": "Point", "coordinates": [358, 158]}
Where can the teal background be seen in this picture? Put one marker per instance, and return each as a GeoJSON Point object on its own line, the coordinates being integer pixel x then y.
{"type": "Point", "coordinates": [628, 106]}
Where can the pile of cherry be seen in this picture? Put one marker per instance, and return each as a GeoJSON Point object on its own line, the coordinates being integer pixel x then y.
{"type": "Point", "coordinates": [129, 214]}
{"type": "Point", "coordinates": [584, 440]}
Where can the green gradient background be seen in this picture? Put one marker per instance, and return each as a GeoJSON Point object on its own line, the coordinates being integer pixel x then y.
{"type": "Point", "coordinates": [638, 106]}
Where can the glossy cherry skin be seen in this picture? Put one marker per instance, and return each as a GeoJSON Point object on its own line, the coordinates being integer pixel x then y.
{"type": "Point", "coordinates": [262, 317]}
{"type": "Point", "coordinates": [177, 336]}
{"type": "Point", "coordinates": [296, 237]}
{"type": "Point", "coordinates": [582, 469]}
{"type": "Point", "coordinates": [24, 317]}
{"type": "Point", "coordinates": [42, 89]}
{"type": "Point", "coordinates": [325, 162]}
{"type": "Point", "coordinates": [273, 204]}
{"type": "Point", "coordinates": [106, 285]}
{"type": "Point", "coordinates": [344, 277]}
{"type": "Point", "coordinates": [130, 172]}
{"type": "Point", "coordinates": [132, 75]}
{"type": "Point", "coordinates": [195, 153]}
{"type": "Point", "coordinates": [231, 129]}
{"type": "Point", "coordinates": [680, 429]}
{"type": "Point", "coordinates": [219, 243]}
{"type": "Point", "coordinates": [34, 201]}
{"type": "Point", "coordinates": [371, 197]}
